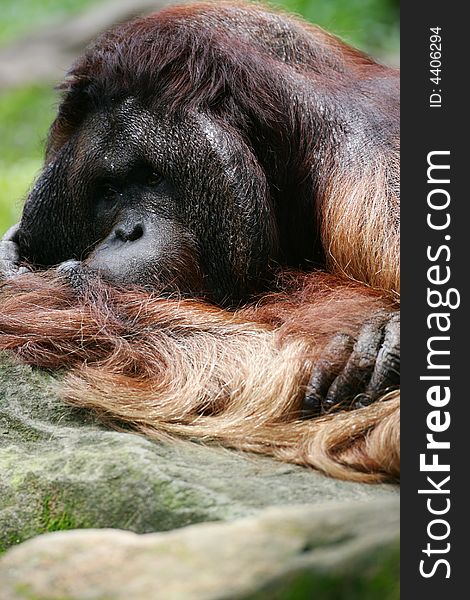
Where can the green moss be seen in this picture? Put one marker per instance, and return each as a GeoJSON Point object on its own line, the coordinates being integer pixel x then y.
{"type": "Point", "coordinates": [53, 514]}
{"type": "Point", "coordinates": [6, 542]}
{"type": "Point", "coordinates": [368, 582]}
{"type": "Point", "coordinates": [22, 431]}
{"type": "Point", "coordinates": [56, 516]}
{"type": "Point", "coordinates": [49, 512]}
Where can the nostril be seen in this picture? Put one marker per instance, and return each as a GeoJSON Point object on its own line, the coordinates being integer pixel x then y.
{"type": "Point", "coordinates": [129, 233]}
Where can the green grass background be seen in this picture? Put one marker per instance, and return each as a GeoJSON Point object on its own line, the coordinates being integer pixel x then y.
{"type": "Point", "coordinates": [26, 113]}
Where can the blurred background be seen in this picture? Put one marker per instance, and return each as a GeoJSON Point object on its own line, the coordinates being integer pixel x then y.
{"type": "Point", "coordinates": [40, 38]}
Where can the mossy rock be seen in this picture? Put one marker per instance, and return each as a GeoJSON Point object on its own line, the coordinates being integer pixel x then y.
{"type": "Point", "coordinates": [60, 469]}
{"type": "Point", "coordinates": [335, 551]}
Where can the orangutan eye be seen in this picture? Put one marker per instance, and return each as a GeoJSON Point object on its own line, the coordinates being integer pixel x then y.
{"type": "Point", "coordinates": [109, 191]}
{"type": "Point", "coordinates": [154, 179]}
{"type": "Point", "coordinates": [107, 195]}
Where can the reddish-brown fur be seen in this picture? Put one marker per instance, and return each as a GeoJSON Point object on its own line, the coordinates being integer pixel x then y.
{"type": "Point", "coordinates": [169, 367]}
{"type": "Point", "coordinates": [180, 367]}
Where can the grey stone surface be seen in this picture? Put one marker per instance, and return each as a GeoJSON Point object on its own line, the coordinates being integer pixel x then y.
{"type": "Point", "coordinates": [61, 470]}
{"type": "Point", "coordinates": [333, 551]}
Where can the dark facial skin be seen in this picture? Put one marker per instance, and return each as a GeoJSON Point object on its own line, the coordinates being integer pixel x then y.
{"type": "Point", "coordinates": [163, 205]}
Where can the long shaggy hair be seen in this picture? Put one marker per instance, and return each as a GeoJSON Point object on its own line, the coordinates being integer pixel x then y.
{"type": "Point", "coordinates": [166, 367]}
